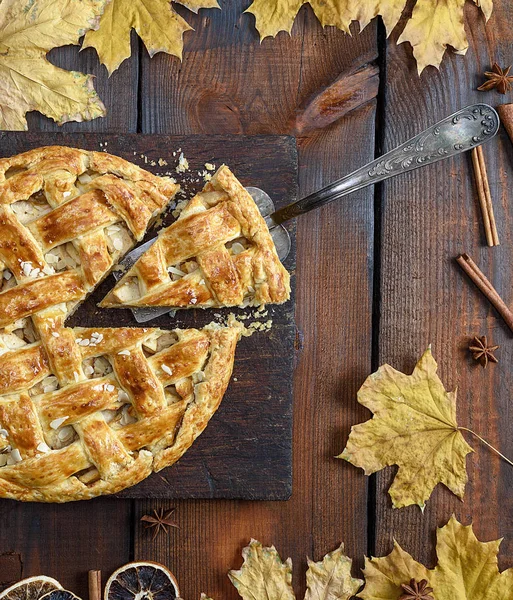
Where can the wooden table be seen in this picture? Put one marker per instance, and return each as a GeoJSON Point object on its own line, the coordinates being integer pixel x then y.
{"type": "Point", "coordinates": [376, 283]}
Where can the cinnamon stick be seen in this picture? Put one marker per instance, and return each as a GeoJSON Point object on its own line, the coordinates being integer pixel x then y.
{"type": "Point", "coordinates": [485, 197]}
{"type": "Point", "coordinates": [95, 585]}
{"type": "Point", "coordinates": [486, 288]}
{"type": "Point", "coordinates": [506, 115]}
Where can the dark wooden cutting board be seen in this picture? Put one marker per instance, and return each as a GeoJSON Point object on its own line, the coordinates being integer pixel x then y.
{"type": "Point", "coordinates": [246, 451]}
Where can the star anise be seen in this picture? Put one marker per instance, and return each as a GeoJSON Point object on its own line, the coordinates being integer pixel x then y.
{"type": "Point", "coordinates": [159, 521]}
{"type": "Point", "coordinates": [416, 590]}
{"type": "Point", "coordinates": [482, 352]}
{"type": "Point", "coordinates": [497, 78]}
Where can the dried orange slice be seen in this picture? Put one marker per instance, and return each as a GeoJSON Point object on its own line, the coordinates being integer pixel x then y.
{"type": "Point", "coordinates": [60, 595]}
{"type": "Point", "coordinates": [142, 581]}
{"type": "Point", "coordinates": [33, 588]}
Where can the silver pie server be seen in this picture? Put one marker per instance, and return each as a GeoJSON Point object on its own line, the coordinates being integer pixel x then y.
{"type": "Point", "coordinates": [460, 132]}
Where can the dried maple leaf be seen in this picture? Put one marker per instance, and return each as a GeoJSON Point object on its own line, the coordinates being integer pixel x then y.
{"type": "Point", "coordinates": [331, 578]}
{"type": "Point", "coordinates": [159, 26]}
{"type": "Point", "coordinates": [414, 426]}
{"type": "Point", "coordinates": [434, 25]}
{"type": "Point", "coordinates": [28, 81]}
{"type": "Point", "coordinates": [264, 576]}
{"type": "Point", "coordinates": [467, 568]}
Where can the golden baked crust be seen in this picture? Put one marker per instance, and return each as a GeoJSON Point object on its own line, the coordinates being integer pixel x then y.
{"type": "Point", "coordinates": [127, 401]}
{"type": "Point", "coordinates": [85, 412]}
{"type": "Point", "coordinates": [218, 253]}
{"type": "Point", "coordinates": [73, 212]}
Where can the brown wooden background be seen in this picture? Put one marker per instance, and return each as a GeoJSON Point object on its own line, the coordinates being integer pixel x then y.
{"type": "Point", "coordinates": [376, 282]}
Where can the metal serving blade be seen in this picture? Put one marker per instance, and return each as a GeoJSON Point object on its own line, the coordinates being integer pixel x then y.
{"type": "Point", "coordinates": [142, 315]}
{"type": "Point", "coordinates": [280, 235]}
{"type": "Point", "coordinates": [265, 206]}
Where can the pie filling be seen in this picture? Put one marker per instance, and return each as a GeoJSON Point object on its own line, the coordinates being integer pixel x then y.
{"type": "Point", "coordinates": [120, 411]}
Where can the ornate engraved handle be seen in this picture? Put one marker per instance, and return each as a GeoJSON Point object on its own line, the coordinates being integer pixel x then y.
{"type": "Point", "coordinates": [458, 133]}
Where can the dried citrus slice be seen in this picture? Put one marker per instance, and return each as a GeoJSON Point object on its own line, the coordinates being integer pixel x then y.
{"type": "Point", "coordinates": [33, 588]}
{"type": "Point", "coordinates": [60, 595]}
{"type": "Point", "coordinates": [142, 581]}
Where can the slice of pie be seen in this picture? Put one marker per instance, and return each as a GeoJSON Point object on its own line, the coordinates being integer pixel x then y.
{"type": "Point", "coordinates": [218, 253]}
{"type": "Point", "coordinates": [85, 412]}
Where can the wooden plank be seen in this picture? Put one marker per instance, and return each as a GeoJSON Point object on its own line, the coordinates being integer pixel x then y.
{"type": "Point", "coordinates": [246, 450]}
{"type": "Point", "coordinates": [10, 568]}
{"type": "Point", "coordinates": [429, 217]}
{"type": "Point", "coordinates": [119, 92]}
{"type": "Point", "coordinates": [65, 541]}
{"type": "Point", "coordinates": [336, 323]}
{"type": "Point", "coordinates": [229, 82]}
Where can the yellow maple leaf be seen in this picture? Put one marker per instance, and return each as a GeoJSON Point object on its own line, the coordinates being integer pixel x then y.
{"type": "Point", "coordinates": [159, 26]}
{"type": "Point", "coordinates": [434, 25]}
{"type": "Point", "coordinates": [467, 569]}
{"type": "Point", "coordinates": [414, 426]}
{"type": "Point", "coordinates": [28, 81]}
{"type": "Point", "coordinates": [331, 578]}
{"type": "Point", "coordinates": [264, 576]}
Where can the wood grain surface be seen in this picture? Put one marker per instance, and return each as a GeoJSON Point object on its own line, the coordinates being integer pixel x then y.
{"type": "Point", "coordinates": [376, 282]}
{"type": "Point", "coordinates": [428, 218]}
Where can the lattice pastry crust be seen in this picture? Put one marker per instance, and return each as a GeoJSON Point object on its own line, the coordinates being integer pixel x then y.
{"type": "Point", "coordinates": [66, 217]}
{"type": "Point", "coordinates": [85, 412]}
{"type": "Point", "coordinates": [218, 253]}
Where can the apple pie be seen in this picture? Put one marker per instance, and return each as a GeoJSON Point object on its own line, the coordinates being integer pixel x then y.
{"type": "Point", "coordinates": [89, 411]}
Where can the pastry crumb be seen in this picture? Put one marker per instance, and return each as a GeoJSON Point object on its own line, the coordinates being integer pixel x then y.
{"type": "Point", "coordinates": [159, 221]}
{"type": "Point", "coordinates": [247, 331]}
{"type": "Point", "coordinates": [179, 207]}
{"type": "Point", "coordinates": [183, 164]}
{"type": "Point", "coordinates": [205, 174]}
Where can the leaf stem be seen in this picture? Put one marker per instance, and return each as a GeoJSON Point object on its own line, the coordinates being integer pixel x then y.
{"type": "Point", "coordinates": [487, 444]}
